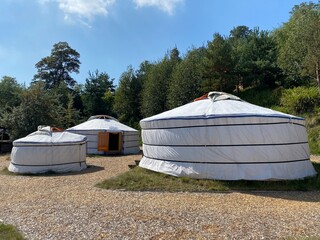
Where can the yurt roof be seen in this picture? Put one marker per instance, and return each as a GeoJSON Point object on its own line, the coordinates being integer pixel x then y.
{"type": "Point", "coordinates": [45, 136]}
{"type": "Point", "coordinates": [109, 125]}
{"type": "Point", "coordinates": [218, 104]}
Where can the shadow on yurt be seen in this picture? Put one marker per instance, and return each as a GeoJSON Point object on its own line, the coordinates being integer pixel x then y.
{"type": "Point", "coordinates": [223, 137]}
{"type": "Point", "coordinates": [106, 135]}
{"type": "Point", "coordinates": [48, 150]}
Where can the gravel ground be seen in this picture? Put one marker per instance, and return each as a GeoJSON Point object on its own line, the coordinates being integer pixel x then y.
{"type": "Point", "coordinates": [70, 207]}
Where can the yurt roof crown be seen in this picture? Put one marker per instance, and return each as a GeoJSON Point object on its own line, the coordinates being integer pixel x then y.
{"type": "Point", "coordinates": [217, 96]}
{"type": "Point", "coordinates": [102, 117]}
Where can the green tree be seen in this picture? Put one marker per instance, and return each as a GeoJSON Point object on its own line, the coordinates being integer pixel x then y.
{"type": "Point", "coordinates": [156, 85]}
{"type": "Point", "coordinates": [239, 40]}
{"type": "Point", "coordinates": [77, 92]}
{"type": "Point", "coordinates": [57, 67]}
{"type": "Point", "coordinates": [254, 55]}
{"type": "Point", "coordinates": [299, 43]}
{"type": "Point", "coordinates": [67, 97]}
{"type": "Point", "coordinates": [187, 78]}
{"type": "Point", "coordinates": [218, 66]}
{"type": "Point", "coordinates": [10, 92]}
{"type": "Point", "coordinates": [261, 67]}
{"type": "Point", "coordinates": [38, 107]}
{"type": "Point", "coordinates": [127, 98]}
{"type": "Point", "coordinates": [70, 115]}
{"type": "Point", "coordinates": [62, 91]}
{"type": "Point", "coordinates": [95, 88]}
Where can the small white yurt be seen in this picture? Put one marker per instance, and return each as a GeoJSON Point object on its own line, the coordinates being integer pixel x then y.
{"type": "Point", "coordinates": [46, 150]}
{"type": "Point", "coordinates": [223, 137]}
{"type": "Point", "coordinates": [106, 135]}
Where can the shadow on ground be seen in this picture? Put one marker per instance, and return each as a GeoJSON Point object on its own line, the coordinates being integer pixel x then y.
{"type": "Point", "coordinates": [89, 169]}
{"type": "Point", "coordinates": [300, 196]}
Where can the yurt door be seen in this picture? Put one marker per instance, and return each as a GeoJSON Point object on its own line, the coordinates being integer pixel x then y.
{"type": "Point", "coordinates": [110, 142]}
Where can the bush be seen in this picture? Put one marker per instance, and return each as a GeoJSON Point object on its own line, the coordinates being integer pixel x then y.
{"type": "Point", "coordinates": [300, 100]}
{"type": "Point", "coordinates": [314, 140]}
{"type": "Point", "coordinates": [262, 97]}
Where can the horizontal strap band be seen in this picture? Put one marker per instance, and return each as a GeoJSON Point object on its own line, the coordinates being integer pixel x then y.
{"type": "Point", "coordinates": [24, 144]}
{"type": "Point", "coordinates": [34, 165]}
{"type": "Point", "coordinates": [224, 125]}
{"type": "Point", "coordinates": [217, 116]}
{"type": "Point", "coordinates": [230, 163]}
{"type": "Point", "coordinates": [228, 145]}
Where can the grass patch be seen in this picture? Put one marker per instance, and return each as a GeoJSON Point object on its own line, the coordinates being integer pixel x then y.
{"type": "Point", "coordinates": [5, 171]}
{"type": "Point", "coordinates": [9, 232]}
{"type": "Point", "coordinates": [140, 179]}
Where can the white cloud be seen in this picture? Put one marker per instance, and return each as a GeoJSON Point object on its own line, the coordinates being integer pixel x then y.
{"type": "Point", "coordinates": [167, 6]}
{"type": "Point", "coordinates": [83, 11]}
{"type": "Point", "coordinates": [85, 8]}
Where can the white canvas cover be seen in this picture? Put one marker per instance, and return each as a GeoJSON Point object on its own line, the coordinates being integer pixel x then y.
{"type": "Point", "coordinates": [44, 151]}
{"type": "Point", "coordinates": [223, 137]}
{"type": "Point", "coordinates": [92, 127]}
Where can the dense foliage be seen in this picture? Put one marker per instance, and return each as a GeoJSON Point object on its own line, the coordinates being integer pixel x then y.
{"type": "Point", "coordinates": [278, 69]}
{"type": "Point", "coordinates": [38, 107]}
{"type": "Point", "coordinates": [95, 98]}
{"type": "Point", "coordinates": [299, 43]}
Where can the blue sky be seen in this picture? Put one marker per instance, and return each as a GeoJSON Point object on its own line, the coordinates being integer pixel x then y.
{"type": "Point", "coordinates": [110, 35]}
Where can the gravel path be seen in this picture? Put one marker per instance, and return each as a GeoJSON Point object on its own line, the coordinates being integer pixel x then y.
{"type": "Point", "coordinates": [70, 207]}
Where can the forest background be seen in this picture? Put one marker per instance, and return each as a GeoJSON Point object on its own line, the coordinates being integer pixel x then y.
{"type": "Point", "coordinates": [276, 69]}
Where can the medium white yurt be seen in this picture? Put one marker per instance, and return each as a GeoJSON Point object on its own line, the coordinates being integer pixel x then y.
{"type": "Point", "coordinates": [45, 150]}
{"type": "Point", "coordinates": [106, 135]}
{"type": "Point", "coordinates": [223, 137]}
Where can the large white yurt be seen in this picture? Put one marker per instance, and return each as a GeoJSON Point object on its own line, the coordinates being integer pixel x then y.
{"type": "Point", "coordinates": [223, 137]}
{"type": "Point", "coordinates": [45, 150]}
{"type": "Point", "coordinates": [106, 135]}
